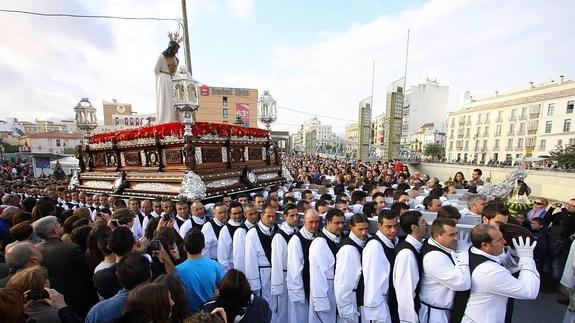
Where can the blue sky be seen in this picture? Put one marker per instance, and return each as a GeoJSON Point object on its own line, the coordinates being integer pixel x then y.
{"type": "Point", "coordinates": [313, 56]}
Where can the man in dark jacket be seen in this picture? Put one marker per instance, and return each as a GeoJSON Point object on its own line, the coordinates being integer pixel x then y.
{"type": "Point", "coordinates": [67, 266]}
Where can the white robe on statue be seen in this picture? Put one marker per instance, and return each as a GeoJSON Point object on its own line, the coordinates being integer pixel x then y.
{"type": "Point", "coordinates": [322, 307]}
{"type": "Point", "coordinates": [165, 111]}
{"type": "Point", "coordinates": [279, 303]}
{"type": "Point", "coordinates": [298, 304]}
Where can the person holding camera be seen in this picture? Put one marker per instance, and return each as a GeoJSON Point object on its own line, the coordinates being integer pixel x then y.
{"type": "Point", "coordinates": [42, 304]}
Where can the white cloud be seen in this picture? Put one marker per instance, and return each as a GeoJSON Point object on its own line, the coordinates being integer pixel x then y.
{"type": "Point", "coordinates": [241, 8]}
{"type": "Point", "coordinates": [48, 64]}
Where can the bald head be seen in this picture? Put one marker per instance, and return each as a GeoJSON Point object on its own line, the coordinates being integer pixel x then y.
{"type": "Point", "coordinates": [311, 220]}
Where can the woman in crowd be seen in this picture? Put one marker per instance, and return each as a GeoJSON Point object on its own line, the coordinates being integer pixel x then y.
{"type": "Point", "coordinates": [539, 208]}
{"type": "Point", "coordinates": [459, 179]}
{"type": "Point", "coordinates": [181, 310]}
{"type": "Point", "coordinates": [239, 303]}
{"type": "Point", "coordinates": [152, 300]}
{"type": "Point", "coordinates": [42, 304]}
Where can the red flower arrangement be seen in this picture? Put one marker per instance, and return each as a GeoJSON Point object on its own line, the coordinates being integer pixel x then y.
{"type": "Point", "coordinates": [176, 129]}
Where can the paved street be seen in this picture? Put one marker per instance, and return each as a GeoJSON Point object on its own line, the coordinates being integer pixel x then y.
{"type": "Point", "coordinates": [544, 309]}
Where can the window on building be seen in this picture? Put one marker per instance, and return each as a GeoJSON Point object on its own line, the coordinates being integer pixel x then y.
{"type": "Point", "coordinates": [570, 105]}
{"type": "Point", "coordinates": [567, 125]}
{"type": "Point", "coordinates": [484, 144]}
{"type": "Point", "coordinates": [131, 121]}
{"type": "Point", "coordinates": [451, 145]}
{"type": "Point", "coordinates": [513, 113]}
{"type": "Point", "coordinates": [486, 132]}
{"type": "Point", "coordinates": [524, 112]}
{"type": "Point", "coordinates": [498, 130]}
{"type": "Point", "coordinates": [479, 116]}
{"type": "Point", "coordinates": [550, 109]}
{"type": "Point", "coordinates": [571, 141]}
{"type": "Point", "coordinates": [225, 121]}
{"type": "Point", "coordinates": [487, 117]}
{"type": "Point", "coordinates": [496, 144]}
{"type": "Point", "coordinates": [520, 143]}
{"type": "Point", "coordinates": [476, 143]}
{"type": "Point", "coordinates": [225, 101]}
{"type": "Point", "coordinates": [499, 116]}
{"type": "Point", "coordinates": [548, 126]}
{"type": "Point", "coordinates": [117, 121]}
{"type": "Point", "coordinates": [467, 132]}
{"type": "Point", "coordinates": [509, 143]}
{"type": "Point", "coordinates": [57, 142]}
{"type": "Point", "coordinates": [560, 142]}
{"type": "Point", "coordinates": [478, 132]}
{"type": "Point", "coordinates": [451, 134]}
{"type": "Point", "coordinates": [126, 121]}
{"type": "Point", "coordinates": [225, 113]}
{"type": "Point", "coordinates": [542, 144]}
{"type": "Point", "coordinates": [522, 128]}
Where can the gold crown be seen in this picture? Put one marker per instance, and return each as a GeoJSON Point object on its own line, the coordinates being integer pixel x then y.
{"type": "Point", "coordinates": [175, 36]}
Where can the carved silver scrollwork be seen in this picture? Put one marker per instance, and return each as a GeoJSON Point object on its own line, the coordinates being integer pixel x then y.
{"type": "Point", "coordinates": [193, 188]}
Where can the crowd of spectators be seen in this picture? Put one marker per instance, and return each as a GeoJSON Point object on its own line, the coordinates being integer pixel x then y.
{"type": "Point", "coordinates": [70, 256]}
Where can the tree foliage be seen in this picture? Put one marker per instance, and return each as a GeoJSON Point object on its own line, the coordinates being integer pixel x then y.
{"type": "Point", "coordinates": [564, 156]}
{"type": "Point", "coordinates": [434, 150]}
{"type": "Point", "coordinates": [8, 148]}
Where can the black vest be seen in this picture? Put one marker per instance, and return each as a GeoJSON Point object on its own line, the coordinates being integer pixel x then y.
{"type": "Point", "coordinates": [194, 224]}
{"type": "Point", "coordinates": [332, 245]}
{"type": "Point", "coordinates": [232, 229]}
{"type": "Point", "coordinates": [305, 244]}
{"type": "Point", "coordinates": [140, 217]}
{"type": "Point", "coordinates": [181, 222]}
{"type": "Point", "coordinates": [266, 241]}
{"type": "Point", "coordinates": [391, 297]}
{"type": "Point", "coordinates": [461, 298]}
{"type": "Point", "coordinates": [406, 245]}
{"type": "Point", "coordinates": [286, 236]}
{"type": "Point", "coordinates": [427, 247]}
{"type": "Point", "coordinates": [360, 288]}
{"type": "Point", "coordinates": [217, 228]}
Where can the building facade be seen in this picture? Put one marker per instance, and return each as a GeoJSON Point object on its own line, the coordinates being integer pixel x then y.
{"type": "Point", "coordinates": [224, 104]}
{"type": "Point", "coordinates": [427, 134]}
{"type": "Point", "coordinates": [424, 103]}
{"type": "Point", "coordinates": [393, 119]}
{"type": "Point", "coordinates": [530, 122]}
{"type": "Point", "coordinates": [53, 142]}
{"type": "Point", "coordinates": [364, 128]}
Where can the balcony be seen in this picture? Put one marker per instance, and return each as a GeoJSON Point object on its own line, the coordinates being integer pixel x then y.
{"type": "Point", "coordinates": [460, 136]}
{"type": "Point", "coordinates": [478, 121]}
{"type": "Point", "coordinates": [513, 118]}
{"type": "Point", "coordinates": [496, 148]}
{"type": "Point", "coordinates": [521, 133]}
{"type": "Point", "coordinates": [523, 117]}
{"type": "Point", "coordinates": [459, 148]}
{"type": "Point", "coordinates": [486, 121]}
{"type": "Point", "coordinates": [509, 148]}
{"type": "Point", "coordinates": [518, 148]}
{"type": "Point", "coordinates": [468, 123]}
{"type": "Point", "coordinates": [467, 136]}
{"type": "Point", "coordinates": [497, 134]}
{"type": "Point", "coordinates": [462, 122]}
{"type": "Point", "coordinates": [534, 115]}
{"type": "Point", "coordinates": [499, 120]}
{"type": "Point", "coordinates": [511, 133]}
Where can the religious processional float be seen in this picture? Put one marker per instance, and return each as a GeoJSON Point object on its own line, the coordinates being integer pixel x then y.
{"type": "Point", "coordinates": [182, 159]}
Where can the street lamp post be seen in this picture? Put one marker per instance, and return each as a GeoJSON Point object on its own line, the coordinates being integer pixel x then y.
{"type": "Point", "coordinates": [267, 109]}
{"type": "Point", "coordinates": [186, 100]}
{"type": "Point", "coordinates": [85, 117]}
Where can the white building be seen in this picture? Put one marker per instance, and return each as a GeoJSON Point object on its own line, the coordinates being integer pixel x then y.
{"type": "Point", "coordinates": [424, 103]}
{"type": "Point", "coordinates": [53, 142]}
{"type": "Point", "coordinates": [427, 134]}
{"type": "Point", "coordinates": [529, 122]}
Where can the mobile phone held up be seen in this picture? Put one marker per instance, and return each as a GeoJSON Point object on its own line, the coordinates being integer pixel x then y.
{"type": "Point", "coordinates": [155, 245]}
{"type": "Point", "coordinates": [36, 294]}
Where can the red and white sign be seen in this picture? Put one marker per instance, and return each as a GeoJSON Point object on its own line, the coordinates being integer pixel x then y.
{"type": "Point", "coordinates": [204, 90]}
{"type": "Point", "coordinates": [243, 110]}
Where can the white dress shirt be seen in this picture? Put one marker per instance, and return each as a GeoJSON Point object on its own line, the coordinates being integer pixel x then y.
{"type": "Point", "coordinates": [492, 284]}
{"type": "Point", "coordinates": [376, 269]}
{"type": "Point", "coordinates": [405, 278]}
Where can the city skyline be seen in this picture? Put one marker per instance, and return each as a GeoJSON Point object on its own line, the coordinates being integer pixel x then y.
{"type": "Point", "coordinates": [319, 62]}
